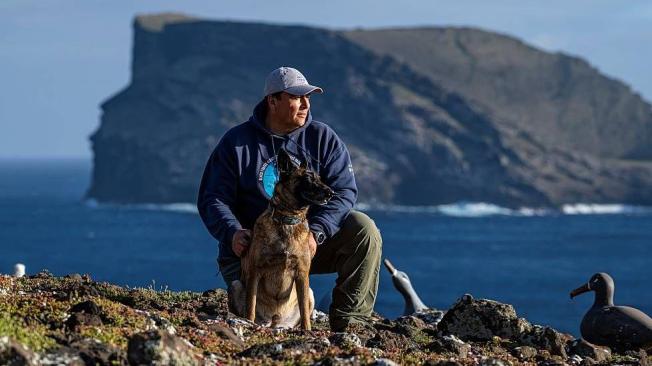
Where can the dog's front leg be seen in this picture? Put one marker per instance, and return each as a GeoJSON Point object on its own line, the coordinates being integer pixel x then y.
{"type": "Point", "coordinates": [252, 290]}
{"type": "Point", "coordinates": [303, 293]}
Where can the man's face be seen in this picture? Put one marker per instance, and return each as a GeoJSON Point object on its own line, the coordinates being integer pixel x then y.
{"type": "Point", "coordinates": [291, 110]}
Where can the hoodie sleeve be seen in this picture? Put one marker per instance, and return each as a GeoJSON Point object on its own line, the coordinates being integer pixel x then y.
{"type": "Point", "coordinates": [217, 193]}
{"type": "Point", "coordinates": [337, 173]}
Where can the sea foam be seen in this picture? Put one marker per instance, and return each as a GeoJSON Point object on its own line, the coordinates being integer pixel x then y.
{"type": "Point", "coordinates": [459, 209]}
{"type": "Point", "coordinates": [483, 209]}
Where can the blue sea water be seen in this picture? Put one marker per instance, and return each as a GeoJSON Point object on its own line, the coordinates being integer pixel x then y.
{"type": "Point", "coordinates": [531, 261]}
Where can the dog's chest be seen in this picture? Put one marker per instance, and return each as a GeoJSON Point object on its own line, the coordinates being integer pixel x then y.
{"type": "Point", "coordinates": [285, 245]}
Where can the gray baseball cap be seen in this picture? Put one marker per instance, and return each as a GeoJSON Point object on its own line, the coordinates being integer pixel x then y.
{"type": "Point", "coordinates": [289, 80]}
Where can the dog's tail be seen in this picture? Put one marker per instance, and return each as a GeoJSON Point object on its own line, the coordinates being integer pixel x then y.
{"type": "Point", "coordinates": [275, 319]}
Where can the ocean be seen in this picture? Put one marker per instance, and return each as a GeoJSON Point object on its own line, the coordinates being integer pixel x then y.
{"type": "Point", "coordinates": [529, 258]}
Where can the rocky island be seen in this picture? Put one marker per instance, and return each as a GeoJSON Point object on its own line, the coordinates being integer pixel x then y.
{"type": "Point", "coordinates": [430, 115]}
{"type": "Point", "coordinates": [73, 320]}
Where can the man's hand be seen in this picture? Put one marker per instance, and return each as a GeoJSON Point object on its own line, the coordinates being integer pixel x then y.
{"type": "Point", "coordinates": [312, 244]}
{"type": "Point", "coordinates": [240, 242]}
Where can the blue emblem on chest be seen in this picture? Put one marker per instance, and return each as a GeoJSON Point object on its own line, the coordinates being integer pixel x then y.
{"type": "Point", "coordinates": [268, 177]}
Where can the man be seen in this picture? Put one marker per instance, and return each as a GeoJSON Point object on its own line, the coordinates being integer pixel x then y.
{"type": "Point", "coordinates": [239, 180]}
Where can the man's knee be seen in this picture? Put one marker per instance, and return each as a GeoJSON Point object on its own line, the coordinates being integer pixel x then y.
{"type": "Point", "coordinates": [365, 230]}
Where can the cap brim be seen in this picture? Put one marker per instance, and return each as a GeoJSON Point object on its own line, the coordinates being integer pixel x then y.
{"type": "Point", "coordinates": [303, 89]}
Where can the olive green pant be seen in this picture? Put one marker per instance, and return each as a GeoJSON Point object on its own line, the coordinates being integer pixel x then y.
{"type": "Point", "coordinates": [354, 254]}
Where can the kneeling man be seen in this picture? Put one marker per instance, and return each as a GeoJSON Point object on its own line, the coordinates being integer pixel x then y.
{"type": "Point", "coordinates": [239, 180]}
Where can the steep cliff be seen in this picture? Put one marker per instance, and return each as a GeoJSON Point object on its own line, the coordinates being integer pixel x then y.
{"type": "Point", "coordinates": [422, 129]}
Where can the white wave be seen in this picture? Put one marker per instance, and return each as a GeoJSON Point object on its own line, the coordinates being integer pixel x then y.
{"type": "Point", "coordinates": [459, 209]}
{"type": "Point", "coordinates": [181, 207]}
{"type": "Point", "coordinates": [483, 209]}
{"type": "Point", "coordinates": [478, 209]}
{"type": "Point", "coordinates": [173, 207]}
{"type": "Point", "coordinates": [603, 209]}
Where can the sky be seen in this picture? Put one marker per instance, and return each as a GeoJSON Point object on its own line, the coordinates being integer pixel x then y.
{"type": "Point", "coordinates": [60, 59]}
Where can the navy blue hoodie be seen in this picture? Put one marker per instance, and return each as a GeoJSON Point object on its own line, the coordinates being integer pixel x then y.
{"type": "Point", "coordinates": [240, 174]}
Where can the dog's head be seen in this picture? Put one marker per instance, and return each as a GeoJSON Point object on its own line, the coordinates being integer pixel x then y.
{"type": "Point", "coordinates": [298, 187]}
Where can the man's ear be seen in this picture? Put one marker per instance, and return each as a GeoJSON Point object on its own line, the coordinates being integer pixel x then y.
{"type": "Point", "coordinates": [285, 164]}
{"type": "Point", "coordinates": [271, 102]}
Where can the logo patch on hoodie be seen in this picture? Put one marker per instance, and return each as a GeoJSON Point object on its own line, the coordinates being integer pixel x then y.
{"type": "Point", "coordinates": [268, 175]}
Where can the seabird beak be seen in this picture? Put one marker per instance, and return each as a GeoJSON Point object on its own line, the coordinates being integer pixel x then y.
{"type": "Point", "coordinates": [390, 266]}
{"type": "Point", "coordinates": [580, 290]}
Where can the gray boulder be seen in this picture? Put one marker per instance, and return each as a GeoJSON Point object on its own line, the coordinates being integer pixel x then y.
{"type": "Point", "coordinates": [157, 347]}
{"type": "Point", "coordinates": [585, 349]}
{"type": "Point", "coordinates": [481, 320]}
{"type": "Point", "coordinates": [13, 353]}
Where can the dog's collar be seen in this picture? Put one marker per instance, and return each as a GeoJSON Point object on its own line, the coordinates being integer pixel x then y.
{"type": "Point", "coordinates": [285, 219]}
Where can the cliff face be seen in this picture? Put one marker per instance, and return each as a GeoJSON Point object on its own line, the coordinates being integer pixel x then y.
{"type": "Point", "coordinates": [560, 100]}
{"type": "Point", "coordinates": [423, 124]}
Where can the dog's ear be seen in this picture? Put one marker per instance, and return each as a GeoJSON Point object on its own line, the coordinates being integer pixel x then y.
{"type": "Point", "coordinates": [304, 164]}
{"type": "Point", "coordinates": [285, 164]}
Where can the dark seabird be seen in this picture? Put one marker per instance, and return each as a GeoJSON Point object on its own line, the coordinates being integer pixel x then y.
{"type": "Point", "coordinates": [605, 324]}
{"type": "Point", "coordinates": [402, 283]}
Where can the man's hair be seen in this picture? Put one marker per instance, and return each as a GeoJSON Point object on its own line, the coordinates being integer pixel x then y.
{"type": "Point", "coordinates": [276, 95]}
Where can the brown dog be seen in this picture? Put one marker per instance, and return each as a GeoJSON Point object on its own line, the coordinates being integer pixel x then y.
{"type": "Point", "coordinates": [276, 267]}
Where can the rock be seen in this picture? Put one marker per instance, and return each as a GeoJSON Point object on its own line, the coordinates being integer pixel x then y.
{"type": "Point", "coordinates": [69, 357]}
{"type": "Point", "coordinates": [275, 350]}
{"type": "Point", "coordinates": [261, 350]}
{"type": "Point", "coordinates": [491, 361]}
{"type": "Point", "coordinates": [88, 307]}
{"type": "Point", "coordinates": [481, 320]}
{"type": "Point", "coordinates": [77, 319]}
{"type": "Point", "coordinates": [216, 292]}
{"type": "Point", "coordinates": [43, 274]}
{"type": "Point", "coordinates": [544, 133]}
{"type": "Point", "coordinates": [74, 276]}
{"type": "Point", "coordinates": [450, 344]}
{"type": "Point", "coordinates": [442, 363]}
{"type": "Point", "coordinates": [583, 348]}
{"type": "Point", "coordinates": [524, 353]}
{"type": "Point", "coordinates": [157, 347]}
{"type": "Point", "coordinates": [226, 333]}
{"type": "Point", "coordinates": [161, 323]}
{"type": "Point", "coordinates": [551, 362]}
{"type": "Point", "coordinates": [546, 338]}
{"type": "Point", "coordinates": [345, 340]}
{"type": "Point", "coordinates": [410, 326]}
{"type": "Point", "coordinates": [319, 317]}
{"type": "Point", "coordinates": [13, 353]}
{"type": "Point", "coordinates": [588, 361]}
{"type": "Point", "coordinates": [84, 313]}
{"type": "Point", "coordinates": [363, 331]}
{"type": "Point", "coordinates": [214, 303]}
{"type": "Point", "coordinates": [93, 352]}
{"type": "Point", "coordinates": [431, 317]}
{"type": "Point", "coordinates": [384, 362]}
{"type": "Point", "coordinates": [387, 340]}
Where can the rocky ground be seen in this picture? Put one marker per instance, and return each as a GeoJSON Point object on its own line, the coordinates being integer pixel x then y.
{"type": "Point", "coordinates": [72, 320]}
